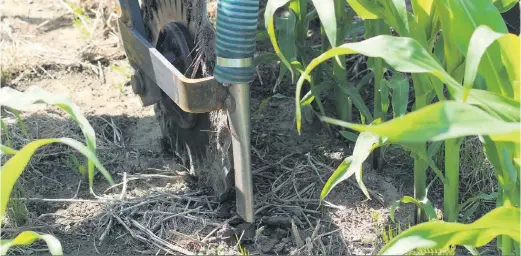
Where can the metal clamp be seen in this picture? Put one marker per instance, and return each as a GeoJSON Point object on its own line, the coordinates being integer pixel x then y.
{"type": "Point", "coordinates": [234, 63]}
{"type": "Point", "coordinates": [191, 95]}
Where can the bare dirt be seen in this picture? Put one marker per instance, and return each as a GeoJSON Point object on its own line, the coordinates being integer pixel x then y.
{"type": "Point", "coordinates": [156, 207]}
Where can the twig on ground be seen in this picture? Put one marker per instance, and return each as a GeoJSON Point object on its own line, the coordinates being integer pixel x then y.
{"type": "Point", "coordinates": [296, 234]}
{"type": "Point", "coordinates": [159, 241]}
{"type": "Point", "coordinates": [19, 229]}
{"type": "Point", "coordinates": [315, 231]}
{"type": "Point", "coordinates": [261, 169]}
{"type": "Point", "coordinates": [63, 200]}
{"type": "Point", "coordinates": [94, 245]}
{"type": "Point", "coordinates": [77, 190]}
{"type": "Point", "coordinates": [45, 71]}
{"type": "Point", "coordinates": [106, 232]}
{"type": "Point", "coordinates": [101, 74]}
{"type": "Point", "coordinates": [124, 189]}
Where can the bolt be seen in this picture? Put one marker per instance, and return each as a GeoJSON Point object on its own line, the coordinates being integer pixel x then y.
{"type": "Point", "coordinates": [137, 83]}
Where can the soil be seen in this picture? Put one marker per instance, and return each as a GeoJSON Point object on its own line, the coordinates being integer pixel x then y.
{"type": "Point", "coordinates": [162, 209]}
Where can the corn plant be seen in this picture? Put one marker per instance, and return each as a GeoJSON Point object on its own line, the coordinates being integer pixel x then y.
{"type": "Point", "coordinates": [472, 50]}
{"type": "Point", "coordinates": [19, 158]}
{"type": "Point", "coordinates": [493, 117]}
{"type": "Point", "coordinates": [290, 40]}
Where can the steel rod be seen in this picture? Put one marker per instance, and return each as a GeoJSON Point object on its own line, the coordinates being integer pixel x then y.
{"type": "Point", "coordinates": [239, 117]}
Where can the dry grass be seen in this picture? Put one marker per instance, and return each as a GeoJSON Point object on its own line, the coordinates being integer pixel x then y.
{"type": "Point", "coordinates": [162, 209]}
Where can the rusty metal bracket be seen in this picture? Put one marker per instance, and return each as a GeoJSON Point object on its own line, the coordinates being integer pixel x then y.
{"type": "Point", "coordinates": [191, 95]}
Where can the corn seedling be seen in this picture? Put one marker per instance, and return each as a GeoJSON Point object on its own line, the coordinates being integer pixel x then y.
{"type": "Point", "coordinates": [18, 160]}
{"type": "Point", "coordinates": [81, 21]}
{"type": "Point", "coordinates": [125, 70]}
{"type": "Point", "coordinates": [243, 251]}
{"type": "Point", "coordinates": [17, 210]}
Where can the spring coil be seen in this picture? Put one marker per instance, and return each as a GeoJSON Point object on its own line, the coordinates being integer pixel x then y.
{"type": "Point", "coordinates": [235, 39]}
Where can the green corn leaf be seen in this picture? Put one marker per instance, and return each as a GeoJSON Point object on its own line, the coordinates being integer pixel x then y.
{"type": "Point", "coordinates": [307, 99]}
{"type": "Point", "coordinates": [481, 196]}
{"type": "Point", "coordinates": [265, 57]}
{"type": "Point", "coordinates": [440, 121]}
{"type": "Point", "coordinates": [426, 16]}
{"type": "Point", "coordinates": [470, 211]}
{"type": "Point", "coordinates": [439, 234]}
{"type": "Point", "coordinates": [374, 28]}
{"type": "Point", "coordinates": [510, 107]}
{"type": "Point", "coordinates": [357, 99]}
{"type": "Point", "coordinates": [27, 238]}
{"type": "Point", "coordinates": [326, 11]}
{"type": "Point", "coordinates": [20, 122]}
{"type": "Point", "coordinates": [354, 29]}
{"type": "Point", "coordinates": [349, 135]}
{"type": "Point", "coordinates": [76, 165]}
{"type": "Point", "coordinates": [271, 8]}
{"type": "Point", "coordinates": [439, 52]}
{"type": "Point", "coordinates": [452, 57]}
{"type": "Point", "coordinates": [299, 7]}
{"type": "Point", "coordinates": [286, 35]}
{"type": "Point", "coordinates": [508, 163]}
{"type": "Point", "coordinates": [417, 150]}
{"type": "Point", "coordinates": [505, 5]}
{"type": "Point", "coordinates": [433, 148]}
{"type": "Point", "coordinates": [400, 96]}
{"type": "Point", "coordinates": [396, 15]}
{"type": "Point", "coordinates": [5, 131]}
{"type": "Point", "coordinates": [13, 168]}
{"type": "Point", "coordinates": [482, 38]}
{"type": "Point", "coordinates": [365, 144]}
{"type": "Point", "coordinates": [7, 150]}
{"type": "Point", "coordinates": [311, 15]}
{"type": "Point", "coordinates": [472, 250]}
{"type": "Point", "coordinates": [424, 204]}
{"type": "Point", "coordinates": [22, 100]}
{"type": "Point", "coordinates": [364, 81]}
{"type": "Point", "coordinates": [366, 9]}
{"type": "Point", "coordinates": [510, 51]}
{"type": "Point", "coordinates": [464, 17]}
{"type": "Point", "coordinates": [404, 55]}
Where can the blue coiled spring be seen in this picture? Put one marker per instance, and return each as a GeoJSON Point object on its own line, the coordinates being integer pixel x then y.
{"type": "Point", "coordinates": [235, 38]}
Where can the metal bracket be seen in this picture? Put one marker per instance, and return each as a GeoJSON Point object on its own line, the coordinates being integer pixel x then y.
{"type": "Point", "coordinates": [191, 95]}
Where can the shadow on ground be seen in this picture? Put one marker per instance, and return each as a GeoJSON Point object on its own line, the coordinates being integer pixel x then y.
{"type": "Point", "coordinates": [159, 205]}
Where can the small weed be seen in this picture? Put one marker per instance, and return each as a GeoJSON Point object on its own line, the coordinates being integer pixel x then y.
{"type": "Point", "coordinates": [243, 251]}
{"type": "Point", "coordinates": [82, 22]}
{"type": "Point", "coordinates": [17, 209]}
{"type": "Point", "coordinates": [126, 71]}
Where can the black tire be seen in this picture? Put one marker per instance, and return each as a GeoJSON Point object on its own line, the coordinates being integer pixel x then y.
{"type": "Point", "coordinates": [187, 135]}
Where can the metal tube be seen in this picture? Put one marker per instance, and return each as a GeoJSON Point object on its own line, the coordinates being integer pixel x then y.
{"type": "Point", "coordinates": [239, 117]}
